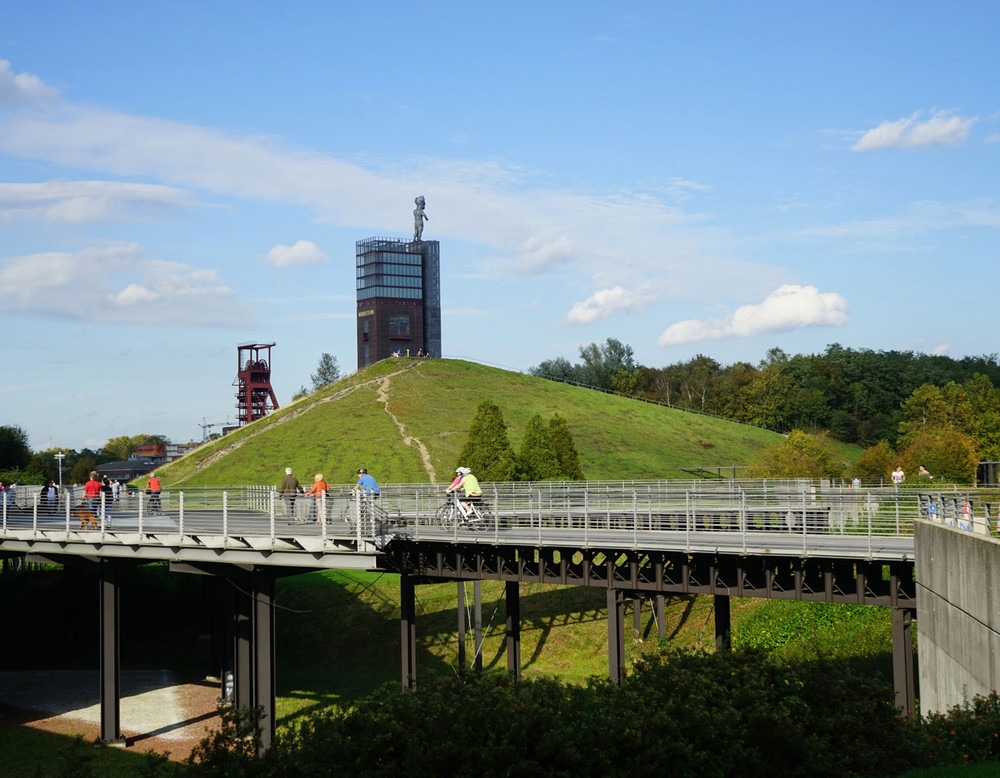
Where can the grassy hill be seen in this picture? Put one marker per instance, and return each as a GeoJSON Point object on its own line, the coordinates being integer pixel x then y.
{"type": "Point", "coordinates": [407, 420]}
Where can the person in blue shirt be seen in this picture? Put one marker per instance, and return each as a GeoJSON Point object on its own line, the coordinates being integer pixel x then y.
{"type": "Point", "coordinates": [367, 484]}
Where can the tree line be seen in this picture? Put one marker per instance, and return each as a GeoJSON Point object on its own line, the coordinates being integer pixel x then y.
{"type": "Point", "coordinates": [903, 407]}
{"type": "Point", "coordinates": [19, 464]}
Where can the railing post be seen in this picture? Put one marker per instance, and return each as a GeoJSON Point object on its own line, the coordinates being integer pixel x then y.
{"type": "Point", "coordinates": [805, 545]}
{"type": "Point", "coordinates": [635, 521]}
{"type": "Point", "coordinates": [687, 517]}
{"type": "Point", "coordinates": [744, 522]}
{"type": "Point", "coordinates": [225, 514]}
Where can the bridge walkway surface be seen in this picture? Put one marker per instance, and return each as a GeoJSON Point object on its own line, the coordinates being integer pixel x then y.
{"type": "Point", "coordinates": [778, 539]}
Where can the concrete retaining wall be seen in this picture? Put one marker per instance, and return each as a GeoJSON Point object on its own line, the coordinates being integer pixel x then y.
{"type": "Point", "coordinates": [958, 615]}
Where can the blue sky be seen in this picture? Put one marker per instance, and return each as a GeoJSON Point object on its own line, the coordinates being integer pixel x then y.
{"type": "Point", "coordinates": [720, 178]}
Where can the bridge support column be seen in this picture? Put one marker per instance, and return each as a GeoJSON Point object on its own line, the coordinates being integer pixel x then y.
{"type": "Point", "coordinates": [408, 630]}
{"type": "Point", "coordinates": [902, 660]}
{"type": "Point", "coordinates": [723, 624]}
{"type": "Point", "coordinates": [110, 655]}
{"type": "Point", "coordinates": [461, 627]}
{"type": "Point", "coordinates": [637, 617]}
{"type": "Point", "coordinates": [249, 602]}
{"type": "Point", "coordinates": [661, 616]}
{"type": "Point", "coordinates": [616, 635]}
{"type": "Point", "coordinates": [242, 615]}
{"type": "Point", "coordinates": [477, 623]}
{"type": "Point", "coordinates": [263, 645]}
{"type": "Point", "coordinates": [513, 597]}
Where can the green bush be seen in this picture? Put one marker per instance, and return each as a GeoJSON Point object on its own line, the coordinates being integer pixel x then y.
{"type": "Point", "coordinates": [689, 713]}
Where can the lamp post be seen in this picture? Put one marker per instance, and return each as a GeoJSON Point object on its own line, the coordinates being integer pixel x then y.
{"type": "Point", "coordinates": [59, 458]}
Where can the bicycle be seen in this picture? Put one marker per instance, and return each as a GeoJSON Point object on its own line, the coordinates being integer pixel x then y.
{"type": "Point", "coordinates": [153, 505]}
{"type": "Point", "coordinates": [372, 514]}
{"type": "Point", "coordinates": [475, 514]}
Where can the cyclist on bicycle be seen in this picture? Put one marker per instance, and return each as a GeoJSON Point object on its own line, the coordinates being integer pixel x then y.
{"type": "Point", "coordinates": [470, 486]}
{"type": "Point", "coordinates": [153, 489]}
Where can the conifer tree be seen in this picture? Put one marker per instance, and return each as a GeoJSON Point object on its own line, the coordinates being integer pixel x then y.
{"type": "Point", "coordinates": [488, 451]}
{"type": "Point", "coordinates": [538, 459]}
{"type": "Point", "coordinates": [565, 449]}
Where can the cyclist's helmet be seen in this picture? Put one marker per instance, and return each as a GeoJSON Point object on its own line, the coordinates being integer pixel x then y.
{"type": "Point", "coordinates": [361, 471]}
{"type": "Point", "coordinates": [464, 470]}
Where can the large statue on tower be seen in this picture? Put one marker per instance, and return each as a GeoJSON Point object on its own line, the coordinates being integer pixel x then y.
{"type": "Point", "coordinates": [419, 217]}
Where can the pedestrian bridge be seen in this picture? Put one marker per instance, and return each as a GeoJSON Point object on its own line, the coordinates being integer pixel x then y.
{"type": "Point", "coordinates": [252, 524]}
{"type": "Point", "coordinates": [637, 539]}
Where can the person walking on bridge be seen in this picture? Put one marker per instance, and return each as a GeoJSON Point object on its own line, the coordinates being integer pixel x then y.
{"type": "Point", "coordinates": [290, 489]}
{"type": "Point", "coordinates": [318, 491]}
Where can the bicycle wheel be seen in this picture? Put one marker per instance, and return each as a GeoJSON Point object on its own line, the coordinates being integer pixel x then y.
{"type": "Point", "coordinates": [349, 516]}
{"type": "Point", "coordinates": [480, 517]}
{"type": "Point", "coordinates": [447, 515]}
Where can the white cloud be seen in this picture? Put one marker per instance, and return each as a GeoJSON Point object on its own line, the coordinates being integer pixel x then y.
{"type": "Point", "coordinates": [528, 226]}
{"type": "Point", "coordinates": [302, 252]}
{"type": "Point", "coordinates": [116, 284]}
{"type": "Point", "coordinates": [80, 202]}
{"type": "Point", "coordinates": [23, 88]}
{"type": "Point", "coordinates": [538, 254]}
{"type": "Point", "coordinates": [942, 128]}
{"type": "Point", "coordinates": [788, 307]}
{"type": "Point", "coordinates": [605, 302]}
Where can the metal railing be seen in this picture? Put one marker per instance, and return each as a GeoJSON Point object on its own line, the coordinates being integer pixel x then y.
{"type": "Point", "coordinates": [646, 513]}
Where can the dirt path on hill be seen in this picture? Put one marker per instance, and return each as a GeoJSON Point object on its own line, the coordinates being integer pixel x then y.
{"type": "Point", "coordinates": [227, 450]}
{"type": "Point", "coordinates": [409, 440]}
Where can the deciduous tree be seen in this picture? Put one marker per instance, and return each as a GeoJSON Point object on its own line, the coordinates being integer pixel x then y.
{"type": "Point", "coordinates": [327, 372]}
{"type": "Point", "coordinates": [800, 455]}
{"type": "Point", "coordinates": [15, 453]}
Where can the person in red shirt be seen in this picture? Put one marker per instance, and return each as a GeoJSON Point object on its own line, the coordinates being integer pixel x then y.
{"type": "Point", "coordinates": [92, 493]}
{"type": "Point", "coordinates": [153, 490]}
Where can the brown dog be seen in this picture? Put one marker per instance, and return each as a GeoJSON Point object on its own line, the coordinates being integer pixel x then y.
{"type": "Point", "coordinates": [87, 518]}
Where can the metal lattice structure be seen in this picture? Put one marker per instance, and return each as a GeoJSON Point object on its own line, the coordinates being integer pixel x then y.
{"type": "Point", "coordinates": [254, 395]}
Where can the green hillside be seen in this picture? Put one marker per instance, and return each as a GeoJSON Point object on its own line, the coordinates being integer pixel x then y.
{"type": "Point", "coordinates": [407, 420]}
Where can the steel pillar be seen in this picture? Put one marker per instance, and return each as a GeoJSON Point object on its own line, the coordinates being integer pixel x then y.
{"type": "Point", "coordinates": [723, 623]}
{"type": "Point", "coordinates": [477, 623]}
{"type": "Point", "coordinates": [461, 627]}
{"type": "Point", "coordinates": [513, 596]}
{"type": "Point", "coordinates": [902, 661]}
{"type": "Point", "coordinates": [110, 657]}
{"type": "Point", "coordinates": [616, 635]}
{"type": "Point", "coordinates": [242, 644]}
{"type": "Point", "coordinates": [661, 615]}
{"type": "Point", "coordinates": [263, 654]}
{"type": "Point", "coordinates": [408, 630]}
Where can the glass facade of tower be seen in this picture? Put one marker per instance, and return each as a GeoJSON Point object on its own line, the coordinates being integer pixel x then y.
{"type": "Point", "coordinates": [399, 299]}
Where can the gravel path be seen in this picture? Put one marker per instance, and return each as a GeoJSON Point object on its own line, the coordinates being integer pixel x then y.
{"type": "Point", "coordinates": [158, 711]}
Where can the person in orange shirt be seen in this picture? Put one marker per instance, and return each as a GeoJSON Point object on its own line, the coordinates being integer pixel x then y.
{"type": "Point", "coordinates": [318, 491]}
{"type": "Point", "coordinates": [153, 490]}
